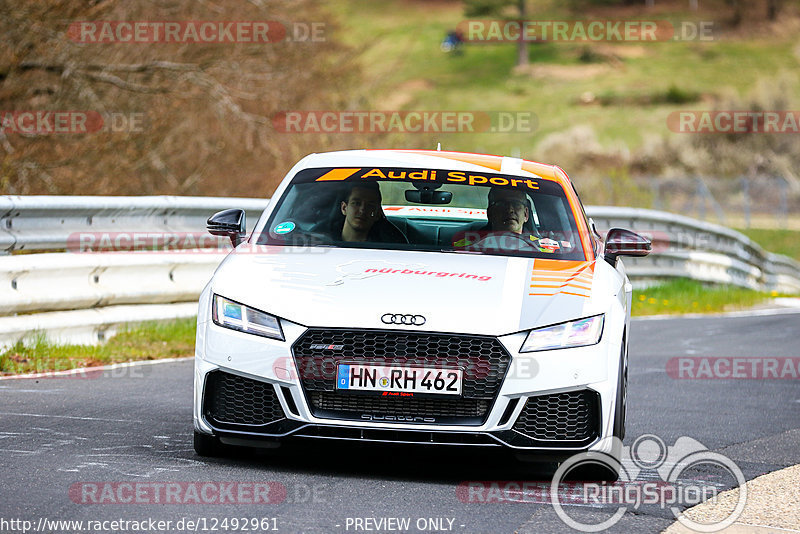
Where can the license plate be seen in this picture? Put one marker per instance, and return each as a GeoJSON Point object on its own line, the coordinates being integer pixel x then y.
{"type": "Point", "coordinates": [399, 379]}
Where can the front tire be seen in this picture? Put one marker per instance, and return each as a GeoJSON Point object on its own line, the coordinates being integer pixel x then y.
{"type": "Point", "coordinates": [621, 405]}
{"type": "Point", "coordinates": [209, 446]}
{"type": "Point", "coordinates": [593, 472]}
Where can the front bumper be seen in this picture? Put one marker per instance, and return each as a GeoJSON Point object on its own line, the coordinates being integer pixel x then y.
{"type": "Point", "coordinates": [249, 388]}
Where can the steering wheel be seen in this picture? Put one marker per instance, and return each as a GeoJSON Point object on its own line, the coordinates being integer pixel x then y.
{"type": "Point", "coordinates": [500, 241]}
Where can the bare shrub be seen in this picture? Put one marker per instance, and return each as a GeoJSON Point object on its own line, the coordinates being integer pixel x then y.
{"type": "Point", "coordinates": [677, 156]}
{"type": "Point", "coordinates": [206, 108]}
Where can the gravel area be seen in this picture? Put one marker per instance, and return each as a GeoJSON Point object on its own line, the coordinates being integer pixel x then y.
{"type": "Point", "coordinates": [773, 502]}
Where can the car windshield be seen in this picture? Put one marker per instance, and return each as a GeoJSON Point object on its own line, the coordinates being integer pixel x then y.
{"type": "Point", "coordinates": [423, 210]}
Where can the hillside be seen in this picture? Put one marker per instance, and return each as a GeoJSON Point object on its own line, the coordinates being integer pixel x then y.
{"type": "Point", "coordinates": [194, 118]}
{"type": "Point", "coordinates": [601, 109]}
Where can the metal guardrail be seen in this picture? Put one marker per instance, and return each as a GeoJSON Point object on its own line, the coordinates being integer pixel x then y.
{"type": "Point", "coordinates": [53, 222]}
{"type": "Point", "coordinates": [686, 247]}
{"type": "Point", "coordinates": [85, 297]}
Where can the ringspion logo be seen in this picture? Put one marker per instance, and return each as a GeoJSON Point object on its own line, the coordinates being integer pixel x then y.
{"type": "Point", "coordinates": [651, 473]}
{"type": "Point", "coordinates": [688, 474]}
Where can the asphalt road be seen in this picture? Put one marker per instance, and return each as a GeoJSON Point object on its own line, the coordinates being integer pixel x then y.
{"type": "Point", "coordinates": [62, 438]}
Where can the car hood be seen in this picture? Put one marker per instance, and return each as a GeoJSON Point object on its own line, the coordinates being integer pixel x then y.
{"type": "Point", "coordinates": [454, 292]}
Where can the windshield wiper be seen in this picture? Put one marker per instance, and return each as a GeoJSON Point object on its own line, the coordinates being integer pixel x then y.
{"type": "Point", "coordinates": [457, 251]}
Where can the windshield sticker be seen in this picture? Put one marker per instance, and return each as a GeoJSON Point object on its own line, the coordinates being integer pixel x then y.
{"type": "Point", "coordinates": [461, 213]}
{"type": "Point", "coordinates": [429, 175]}
{"type": "Point", "coordinates": [548, 245]}
{"type": "Point", "coordinates": [284, 228]}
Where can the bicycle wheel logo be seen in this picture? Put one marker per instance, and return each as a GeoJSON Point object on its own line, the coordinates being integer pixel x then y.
{"type": "Point", "coordinates": [650, 474]}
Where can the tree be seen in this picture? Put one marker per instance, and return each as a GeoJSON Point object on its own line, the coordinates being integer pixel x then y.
{"type": "Point", "coordinates": [203, 112]}
{"type": "Point", "coordinates": [498, 8]}
{"type": "Point", "coordinates": [737, 11]}
{"type": "Point", "coordinates": [773, 7]}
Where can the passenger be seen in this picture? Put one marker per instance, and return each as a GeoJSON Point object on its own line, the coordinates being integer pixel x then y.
{"type": "Point", "coordinates": [361, 210]}
{"type": "Point", "coordinates": [364, 219]}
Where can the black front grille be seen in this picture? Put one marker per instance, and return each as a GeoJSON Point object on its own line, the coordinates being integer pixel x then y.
{"type": "Point", "coordinates": [483, 360]}
{"type": "Point", "coordinates": [572, 416]}
{"type": "Point", "coordinates": [231, 400]}
{"type": "Point", "coordinates": [423, 407]}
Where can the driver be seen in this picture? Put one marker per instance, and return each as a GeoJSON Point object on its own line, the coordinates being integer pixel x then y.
{"type": "Point", "coordinates": [507, 212]}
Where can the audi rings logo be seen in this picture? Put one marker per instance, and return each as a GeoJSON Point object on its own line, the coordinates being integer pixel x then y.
{"type": "Point", "coordinates": [400, 318]}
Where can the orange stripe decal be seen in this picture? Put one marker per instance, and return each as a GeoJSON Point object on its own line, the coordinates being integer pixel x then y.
{"type": "Point", "coordinates": [576, 294]}
{"type": "Point", "coordinates": [560, 276]}
{"type": "Point", "coordinates": [337, 175]}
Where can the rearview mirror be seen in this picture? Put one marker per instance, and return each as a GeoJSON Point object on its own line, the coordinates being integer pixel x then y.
{"type": "Point", "coordinates": [621, 242]}
{"type": "Point", "coordinates": [229, 223]}
{"type": "Point", "coordinates": [429, 197]}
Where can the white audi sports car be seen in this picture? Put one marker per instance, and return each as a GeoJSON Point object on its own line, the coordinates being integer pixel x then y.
{"type": "Point", "coordinates": [422, 297]}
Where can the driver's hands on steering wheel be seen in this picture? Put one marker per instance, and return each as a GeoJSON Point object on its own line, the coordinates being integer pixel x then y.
{"type": "Point", "coordinates": [505, 241]}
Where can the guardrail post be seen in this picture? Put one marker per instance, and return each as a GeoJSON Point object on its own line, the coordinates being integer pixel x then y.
{"type": "Point", "coordinates": [746, 200]}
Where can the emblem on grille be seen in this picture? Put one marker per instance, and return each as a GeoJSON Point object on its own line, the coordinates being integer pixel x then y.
{"type": "Point", "coordinates": [400, 318]}
{"type": "Point", "coordinates": [317, 346]}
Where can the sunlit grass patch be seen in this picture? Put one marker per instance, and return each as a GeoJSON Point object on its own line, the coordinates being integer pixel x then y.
{"type": "Point", "coordinates": [146, 341]}
{"type": "Point", "coordinates": [689, 296]}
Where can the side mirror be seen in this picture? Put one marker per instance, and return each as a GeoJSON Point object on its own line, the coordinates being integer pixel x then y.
{"type": "Point", "coordinates": [229, 223]}
{"type": "Point", "coordinates": [620, 242]}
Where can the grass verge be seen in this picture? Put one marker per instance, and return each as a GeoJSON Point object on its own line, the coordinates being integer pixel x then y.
{"type": "Point", "coordinates": [786, 242]}
{"type": "Point", "coordinates": [146, 341]}
{"type": "Point", "coordinates": [688, 296]}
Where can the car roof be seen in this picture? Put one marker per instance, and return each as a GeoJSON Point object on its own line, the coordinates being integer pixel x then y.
{"type": "Point", "coordinates": [436, 159]}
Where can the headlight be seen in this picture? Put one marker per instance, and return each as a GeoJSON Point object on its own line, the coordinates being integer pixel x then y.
{"type": "Point", "coordinates": [239, 317]}
{"type": "Point", "coordinates": [560, 336]}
